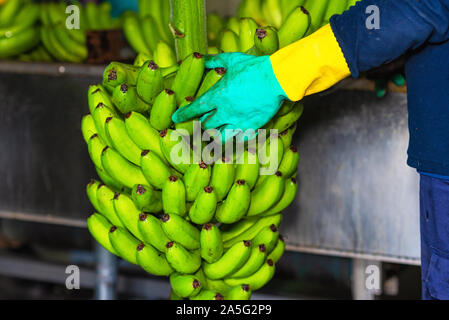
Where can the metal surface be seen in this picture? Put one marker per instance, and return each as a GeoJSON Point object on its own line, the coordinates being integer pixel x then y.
{"type": "Point", "coordinates": [356, 193]}
{"type": "Point", "coordinates": [106, 274]}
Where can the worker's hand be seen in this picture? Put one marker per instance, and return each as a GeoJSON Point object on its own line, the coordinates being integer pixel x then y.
{"type": "Point", "coordinates": [247, 96]}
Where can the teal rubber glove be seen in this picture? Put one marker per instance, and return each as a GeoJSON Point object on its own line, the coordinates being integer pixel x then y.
{"type": "Point", "coordinates": [247, 96]}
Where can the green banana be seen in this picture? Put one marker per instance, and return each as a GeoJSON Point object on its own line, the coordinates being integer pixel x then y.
{"type": "Point", "coordinates": [20, 42]}
{"type": "Point", "coordinates": [180, 230]}
{"type": "Point", "coordinates": [143, 134]}
{"type": "Point", "coordinates": [105, 197]}
{"type": "Point", "coordinates": [66, 38]}
{"type": "Point", "coordinates": [154, 169]}
{"type": "Point", "coordinates": [271, 11]}
{"type": "Point", "coordinates": [185, 286]}
{"type": "Point", "coordinates": [100, 114]}
{"type": "Point", "coordinates": [8, 12]}
{"type": "Point", "coordinates": [108, 180]}
{"type": "Point", "coordinates": [149, 82]}
{"type": "Point", "coordinates": [169, 144]}
{"type": "Point", "coordinates": [188, 126]}
{"type": "Point", "coordinates": [295, 26]}
{"type": "Point", "coordinates": [211, 243]}
{"type": "Point", "coordinates": [126, 99]}
{"type": "Point", "coordinates": [146, 198]}
{"type": "Point", "coordinates": [26, 18]}
{"type": "Point", "coordinates": [289, 163]}
{"type": "Point", "coordinates": [251, 8]}
{"type": "Point", "coordinates": [181, 259]}
{"type": "Point", "coordinates": [233, 230]}
{"type": "Point", "coordinates": [189, 77]}
{"type": "Point", "coordinates": [208, 295]}
{"type": "Point", "coordinates": [203, 209]}
{"type": "Point", "coordinates": [96, 95]}
{"type": "Point", "coordinates": [268, 236]}
{"type": "Point", "coordinates": [164, 55]}
{"type": "Point", "coordinates": [278, 250]}
{"type": "Point", "coordinates": [229, 41]}
{"type": "Point", "coordinates": [317, 9]}
{"type": "Point", "coordinates": [254, 262]}
{"type": "Point", "coordinates": [99, 228]}
{"type": "Point", "coordinates": [233, 25]}
{"type": "Point", "coordinates": [213, 50]}
{"type": "Point", "coordinates": [116, 131]}
{"type": "Point", "coordinates": [141, 58]}
{"type": "Point", "coordinates": [253, 230]}
{"type": "Point", "coordinates": [287, 6]}
{"type": "Point", "coordinates": [88, 128]}
{"type": "Point", "coordinates": [231, 261]}
{"type": "Point", "coordinates": [95, 147]}
{"type": "Point", "coordinates": [269, 162]}
{"type": "Point", "coordinates": [163, 108]}
{"type": "Point", "coordinates": [128, 213]}
{"type": "Point", "coordinates": [242, 292]}
{"type": "Point", "coordinates": [152, 261]}
{"type": "Point", "coordinates": [55, 48]}
{"type": "Point", "coordinates": [247, 31]}
{"type": "Point", "coordinates": [236, 204]}
{"type": "Point", "coordinates": [287, 198]}
{"type": "Point", "coordinates": [286, 107]}
{"type": "Point", "coordinates": [120, 169]}
{"type": "Point", "coordinates": [150, 228]}
{"type": "Point", "coordinates": [257, 280]}
{"type": "Point", "coordinates": [196, 178]}
{"type": "Point", "coordinates": [211, 78]}
{"type": "Point", "coordinates": [174, 196]}
{"type": "Point", "coordinates": [215, 25]}
{"type": "Point", "coordinates": [284, 122]}
{"type": "Point", "coordinates": [266, 40]}
{"type": "Point", "coordinates": [247, 168]}
{"type": "Point", "coordinates": [222, 179]}
{"type": "Point", "coordinates": [91, 190]}
{"type": "Point", "coordinates": [116, 74]}
{"type": "Point", "coordinates": [149, 32]}
{"type": "Point", "coordinates": [287, 136]}
{"type": "Point", "coordinates": [266, 195]}
{"type": "Point", "coordinates": [124, 244]}
{"type": "Point", "coordinates": [133, 32]}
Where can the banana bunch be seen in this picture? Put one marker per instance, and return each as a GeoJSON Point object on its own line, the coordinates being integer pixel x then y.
{"type": "Point", "coordinates": [19, 29]}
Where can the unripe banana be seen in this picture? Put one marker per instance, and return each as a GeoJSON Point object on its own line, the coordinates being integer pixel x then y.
{"type": "Point", "coordinates": [272, 12]}
{"type": "Point", "coordinates": [174, 196]}
{"type": "Point", "coordinates": [116, 132]}
{"type": "Point", "coordinates": [286, 107]}
{"type": "Point", "coordinates": [183, 158]}
{"type": "Point", "coordinates": [217, 285]}
{"type": "Point", "coordinates": [229, 41]}
{"type": "Point", "coordinates": [211, 78]}
{"type": "Point", "coordinates": [164, 55]}
{"type": "Point", "coordinates": [203, 209]}
{"type": "Point", "coordinates": [189, 125]}
{"type": "Point", "coordinates": [180, 230]}
{"type": "Point", "coordinates": [242, 292]}
{"type": "Point", "coordinates": [149, 82]}
{"type": "Point", "coordinates": [185, 286]}
{"type": "Point", "coordinates": [248, 167]}
{"type": "Point", "coordinates": [174, 297]}
{"type": "Point", "coordinates": [235, 229]}
{"type": "Point", "coordinates": [286, 121]}
{"type": "Point", "coordinates": [247, 31]}
{"type": "Point", "coordinates": [236, 204]}
{"type": "Point", "coordinates": [287, 136]}
{"type": "Point", "coordinates": [108, 180]}
{"type": "Point", "coordinates": [133, 32]}
{"type": "Point", "coordinates": [295, 26]}
{"type": "Point", "coordinates": [208, 295]}
{"type": "Point", "coordinates": [149, 32]}
{"type": "Point", "coordinates": [126, 99]}
{"type": "Point", "coordinates": [268, 236]}
{"type": "Point", "coordinates": [117, 73]}
{"type": "Point", "coordinates": [143, 134]}
{"type": "Point", "coordinates": [147, 199]}
{"type": "Point", "coordinates": [100, 114]}
{"type": "Point", "coordinates": [213, 50]}
{"type": "Point", "coordinates": [88, 128]}
{"type": "Point", "coordinates": [124, 243]}
{"type": "Point", "coordinates": [317, 9]}
{"type": "Point", "coordinates": [256, 280]}
{"type": "Point", "coordinates": [196, 178]}
{"type": "Point", "coordinates": [287, 6]}
{"type": "Point", "coordinates": [150, 228]}
{"type": "Point", "coordinates": [251, 8]}
{"type": "Point", "coordinates": [211, 243]}
{"type": "Point", "coordinates": [269, 163]}
{"type": "Point", "coordinates": [95, 148]}
{"type": "Point", "coordinates": [222, 179]}
{"type": "Point", "coordinates": [96, 95]}
{"type": "Point", "coordinates": [278, 250]}
{"type": "Point", "coordinates": [287, 198]}
{"type": "Point", "coordinates": [181, 259]}
{"type": "Point", "coordinates": [289, 164]}
{"type": "Point", "coordinates": [152, 261]}
{"type": "Point", "coordinates": [254, 262]}
{"type": "Point", "coordinates": [163, 108]}
{"type": "Point", "coordinates": [231, 261]}
{"type": "Point", "coordinates": [120, 169]}
{"type": "Point", "coordinates": [266, 195]}
{"type": "Point", "coordinates": [91, 190]}
{"type": "Point", "coordinates": [105, 197]}
{"type": "Point", "coordinates": [99, 228]}
{"type": "Point", "coordinates": [154, 169]}
{"type": "Point", "coordinates": [189, 77]}
{"type": "Point", "coordinates": [8, 12]}
{"type": "Point", "coordinates": [254, 230]}
{"type": "Point", "coordinates": [141, 59]}
{"type": "Point", "coordinates": [128, 213]}
{"type": "Point", "coordinates": [266, 40]}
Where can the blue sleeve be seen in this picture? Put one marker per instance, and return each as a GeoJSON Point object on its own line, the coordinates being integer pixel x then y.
{"type": "Point", "coordinates": [403, 25]}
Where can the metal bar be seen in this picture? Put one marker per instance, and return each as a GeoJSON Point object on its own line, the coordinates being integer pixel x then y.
{"type": "Point", "coordinates": [360, 272]}
{"type": "Point", "coordinates": [47, 219]}
{"type": "Point", "coordinates": [52, 68]}
{"type": "Point", "coordinates": [106, 274]}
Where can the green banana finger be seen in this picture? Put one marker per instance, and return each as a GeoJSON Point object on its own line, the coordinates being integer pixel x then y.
{"type": "Point", "coordinates": [208, 295]}
{"type": "Point", "coordinates": [115, 130]}
{"type": "Point", "coordinates": [99, 228]}
{"type": "Point", "coordinates": [278, 250]}
{"type": "Point", "coordinates": [268, 236]}
{"type": "Point", "coordinates": [211, 243]}
{"type": "Point", "coordinates": [289, 164]}
{"type": "Point", "coordinates": [266, 195]}
{"type": "Point", "coordinates": [222, 179]}
{"type": "Point", "coordinates": [256, 280]}
{"type": "Point", "coordinates": [196, 179]}
{"type": "Point", "coordinates": [284, 122]}
{"type": "Point", "coordinates": [181, 259]}
{"type": "Point", "coordinates": [266, 40]}
{"type": "Point", "coordinates": [154, 169]}
{"type": "Point", "coordinates": [97, 95]}
{"type": "Point", "coordinates": [100, 114]}
{"type": "Point", "coordinates": [164, 55]}
{"type": "Point", "coordinates": [124, 244]}
{"type": "Point", "coordinates": [189, 77]}
{"type": "Point", "coordinates": [233, 230]}
{"type": "Point", "coordinates": [126, 99]}
{"type": "Point", "coordinates": [295, 26]}
{"type": "Point", "coordinates": [95, 147]}
{"type": "Point", "coordinates": [27, 17]}
{"type": "Point", "coordinates": [141, 58]}
{"type": "Point", "coordinates": [172, 141]}
{"type": "Point", "coordinates": [247, 30]}
{"type": "Point", "coordinates": [133, 33]}
{"type": "Point", "coordinates": [242, 292]}
{"type": "Point", "coordinates": [146, 198]}
{"type": "Point", "coordinates": [248, 167]}
{"type": "Point", "coordinates": [88, 128]}
{"type": "Point", "coordinates": [211, 78]}
{"type": "Point", "coordinates": [105, 197]}
{"type": "Point", "coordinates": [271, 11]}
{"type": "Point", "coordinates": [204, 207]}
{"type": "Point", "coordinates": [236, 204]}
{"type": "Point", "coordinates": [152, 261]}
{"type": "Point", "coordinates": [287, 136]}
{"type": "Point", "coordinates": [91, 190]}
{"type": "Point", "coordinates": [317, 9]}
{"type": "Point", "coordinates": [174, 196]}
{"type": "Point", "coordinates": [287, 198]}
{"type": "Point", "coordinates": [149, 32]}
{"type": "Point", "coordinates": [19, 43]}
{"type": "Point", "coordinates": [254, 262]}
{"type": "Point", "coordinates": [108, 180]}
{"type": "Point", "coordinates": [150, 228]}
{"type": "Point", "coordinates": [116, 73]}
{"type": "Point", "coordinates": [180, 230]}
{"type": "Point", "coordinates": [8, 12]}
{"type": "Point", "coordinates": [162, 110]}
{"type": "Point", "coordinates": [185, 286]}
{"type": "Point", "coordinates": [149, 82]}
{"type": "Point", "coordinates": [128, 213]}
{"type": "Point", "coordinates": [229, 41]}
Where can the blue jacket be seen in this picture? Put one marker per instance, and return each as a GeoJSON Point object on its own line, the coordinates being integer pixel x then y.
{"type": "Point", "coordinates": [420, 30]}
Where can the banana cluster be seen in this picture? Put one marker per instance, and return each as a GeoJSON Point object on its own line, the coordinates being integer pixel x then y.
{"type": "Point", "coordinates": [19, 28]}
{"type": "Point", "coordinates": [213, 229]}
{"type": "Point", "coordinates": [262, 27]}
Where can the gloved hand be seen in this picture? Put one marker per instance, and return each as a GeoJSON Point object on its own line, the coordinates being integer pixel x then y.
{"type": "Point", "coordinates": [251, 91]}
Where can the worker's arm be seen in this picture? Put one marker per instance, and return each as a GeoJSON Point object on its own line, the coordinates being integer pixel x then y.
{"type": "Point", "coordinates": [253, 88]}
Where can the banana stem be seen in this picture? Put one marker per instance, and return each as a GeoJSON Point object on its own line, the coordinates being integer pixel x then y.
{"type": "Point", "coordinates": [189, 27]}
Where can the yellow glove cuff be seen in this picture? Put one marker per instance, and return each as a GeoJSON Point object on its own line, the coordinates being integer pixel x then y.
{"type": "Point", "coordinates": [310, 65]}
